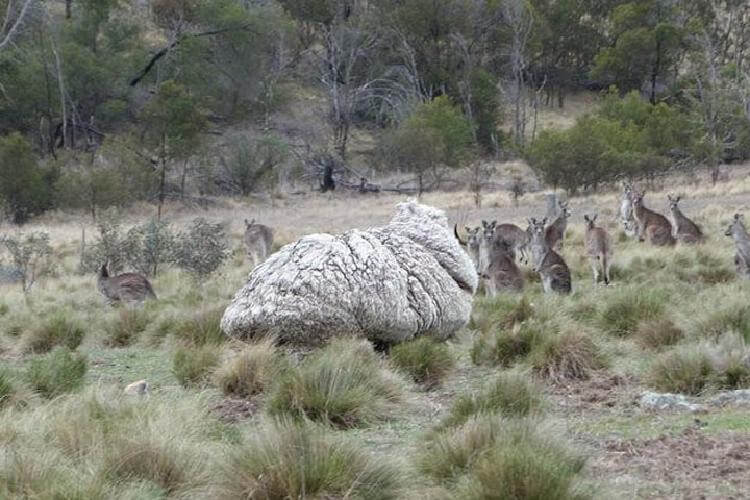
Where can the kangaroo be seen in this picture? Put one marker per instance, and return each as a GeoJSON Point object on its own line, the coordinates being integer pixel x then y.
{"type": "Point", "coordinates": [126, 287]}
{"type": "Point", "coordinates": [486, 235]}
{"type": "Point", "coordinates": [742, 241]}
{"type": "Point", "coordinates": [626, 210]}
{"type": "Point", "coordinates": [683, 229]}
{"type": "Point", "coordinates": [598, 248]}
{"type": "Point", "coordinates": [472, 243]}
{"type": "Point", "coordinates": [502, 274]}
{"type": "Point", "coordinates": [649, 223]}
{"type": "Point", "coordinates": [258, 241]}
{"type": "Point", "coordinates": [548, 263]}
{"type": "Point", "coordinates": [555, 233]}
{"type": "Point", "coordinates": [517, 239]}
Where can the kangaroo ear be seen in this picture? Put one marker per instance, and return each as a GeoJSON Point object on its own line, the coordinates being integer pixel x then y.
{"type": "Point", "coordinates": [544, 221]}
{"type": "Point", "coordinates": [586, 217]}
{"type": "Point", "coordinates": [737, 216]}
{"type": "Point", "coordinates": [468, 229]}
{"type": "Point", "coordinates": [677, 200]}
{"type": "Point", "coordinates": [593, 219]}
{"type": "Point", "coordinates": [669, 197]}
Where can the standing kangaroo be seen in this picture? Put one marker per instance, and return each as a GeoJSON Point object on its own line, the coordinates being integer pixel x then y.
{"type": "Point", "coordinates": [258, 241]}
{"type": "Point", "coordinates": [742, 242]}
{"type": "Point", "coordinates": [555, 233]}
{"type": "Point", "coordinates": [626, 210]}
{"type": "Point", "coordinates": [598, 248]}
{"type": "Point", "coordinates": [683, 229]}
{"type": "Point", "coordinates": [649, 223]}
{"type": "Point", "coordinates": [472, 243]}
{"type": "Point", "coordinates": [502, 273]}
{"type": "Point", "coordinates": [126, 287]}
{"type": "Point", "coordinates": [548, 263]}
{"type": "Point", "coordinates": [516, 238]}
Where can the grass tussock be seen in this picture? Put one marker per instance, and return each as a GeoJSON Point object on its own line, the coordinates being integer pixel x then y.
{"type": "Point", "coordinates": [512, 394]}
{"type": "Point", "coordinates": [300, 460]}
{"type": "Point", "coordinates": [202, 328]}
{"type": "Point", "coordinates": [126, 327]}
{"type": "Point", "coordinates": [501, 312]}
{"type": "Point", "coordinates": [57, 372]}
{"type": "Point", "coordinates": [491, 457]}
{"type": "Point", "coordinates": [58, 330]}
{"type": "Point", "coordinates": [732, 314]}
{"type": "Point", "coordinates": [252, 371]}
{"type": "Point", "coordinates": [685, 370]}
{"type": "Point", "coordinates": [425, 360]}
{"type": "Point", "coordinates": [657, 333]}
{"type": "Point", "coordinates": [626, 308]}
{"type": "Point", "coordinates": [193, 365]}
{"type": "Point", "coordinates": [503, 347]}
{"type": "Point", "coordinates": [7, 387]}
{"type": "Point", "coordinates": [344, 384]}
{"type": "Point", "coordinates": [569, 355]}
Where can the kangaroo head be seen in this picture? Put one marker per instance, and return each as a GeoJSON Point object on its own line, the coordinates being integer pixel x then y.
{"type": "Point", "coordinates": [637, 198]}
{"type": "Point", "coordinates": [474, 236]}
{"type": "Point", "coordinates": [249, 223]}
{"type": "Point", "coordinates": [488, 230]}
{"type": "Point", "coordinates": [103, 272]}
{"type": "Point", "coordinates": [673, 201]}
{"type": "Point", "coordinates": [737, 224]}
{"type": "Point", "coordinates": [590, 221]}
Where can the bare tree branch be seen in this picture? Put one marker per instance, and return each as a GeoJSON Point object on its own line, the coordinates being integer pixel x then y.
{"type": "Point", "coordinates": [10, 33]}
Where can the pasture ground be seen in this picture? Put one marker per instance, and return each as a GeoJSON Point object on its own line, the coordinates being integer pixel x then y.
{"type": "Point", "coordinates": [60, 445]}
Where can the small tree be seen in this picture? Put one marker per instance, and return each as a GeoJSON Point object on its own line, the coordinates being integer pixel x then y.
{"type": "Point", "coordinates": [251, 161]}
{"type": "Point", "coordinates": [202, 248]}
{"type": "Point", "coordinates": [25, 186]}
{"type": "Point", "coordinates": [149, 246]}
{"type": "Point", "coordinates": [30, 254]}
{"type": "Point", "coordinates": [110, 246]}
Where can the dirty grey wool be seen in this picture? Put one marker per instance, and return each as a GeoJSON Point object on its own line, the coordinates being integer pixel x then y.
{"type": "Point", "coordinates": [387, 284]}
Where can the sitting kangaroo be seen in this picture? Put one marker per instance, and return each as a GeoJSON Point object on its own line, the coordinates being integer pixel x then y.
{"type": "Point", "coordinates": [555, 233]}
{"type": "Point", "coordinates": [502, 274]}
{"type": "Point", "coordinates": [258, 240]}
{"type": "Point", "coordinates": [472, 243]}
{"type": "Point", "coordinates": [649, 223]}
{"type": "Point", "coordinates": [683, 229]}
{"type": "Point", "coordinates": [126, 287]}
{"type": "Point", "coordinates": [548, 263]}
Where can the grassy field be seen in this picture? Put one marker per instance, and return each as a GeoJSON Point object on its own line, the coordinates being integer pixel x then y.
{"type": "Point", "coordinates": [537, 398]}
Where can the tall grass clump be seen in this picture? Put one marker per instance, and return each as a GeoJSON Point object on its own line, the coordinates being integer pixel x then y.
{"type": "Point", "coordinates": [722, 315]}
{"type": "Point", "coordinates": [568, 355]}
{"type": "Point", "coordinates": [626, 308]}
{"type": "Point", "coordinates": [7, 387]}
{"type": "Point", "coordinates": [684, 369]}
{"type": "Point", "coordinates": [193, 365]}
{"type": "Point", "coordinates": [58, 330]}
{"type": "Point", "coordinates": [512, 394]}
{"type": "Point", "coordinates": [503, 347]}
{"type": "Point", "coordinates": [491, 457]}
{"type": "Point", "coordinates": [501, 312]}
{"type": "Point", "coordinates": [202, 327]}
{"type": "Point", "coordinates": [657, 333]}
{"type": "Point", "coordinates": [57, 372]}
{"type": "Point", "coordinates": [126, 327]}
{"type": "Point", "coordinates": [425, 360]}
{"type": "Point", "coordinates": [343, 384]}
{"type": "Point", "coordinates": [730, 359]}
{"type": "Point", "coordinates": [300, 460]}
{"type": "Point", "coordinates": [252, 371]}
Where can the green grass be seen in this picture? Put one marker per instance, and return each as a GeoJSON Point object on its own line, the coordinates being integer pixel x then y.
{"type": "Point", "coordinates": [202, 327]}
{"type": "Point", "coordinates": [684, 369]}
{"type": "Point", "coordinates": [626, 308]}
{"type": "Point", "coordinates": [344, 384]}
{"type": "Point", "coordinates": [7, 387]}
{"type": "Point", "coordinates": [126, 327]}
{"type": "Point", "coordinates": [193, 365]}
{"type": "Point", "coordinates": [425, 360]}
{"type": "Point", "coordinates": [252, 371]}
{"type": "Point", "coordinates": [657, 333]}
{"type": "Point", "coordinates": [58, 330]}
{"type": "Point", "coordinates": [503, 347]}
{"type": "Point", "coordinates": [569, 355]}
{"type": "Point", "coordinates": [299, 460]}
{"type": "Point", "coordinates": [57, 372]}
{"type": "Point", "coordinates": [511, 394]}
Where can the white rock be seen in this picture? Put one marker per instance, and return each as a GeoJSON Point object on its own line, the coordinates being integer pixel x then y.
{"type": "Point", "coordinates": [666, 401]}
{"type": "Point", "coordinates": [138, 388]}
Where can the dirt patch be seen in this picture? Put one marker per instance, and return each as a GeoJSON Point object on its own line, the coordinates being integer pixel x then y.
{"type": "Point", "coordinates": [233, 410]}
{"type": "Point", "coordinates": [692, 464]}
{"type": "Point", "coordinates": [602, 393]}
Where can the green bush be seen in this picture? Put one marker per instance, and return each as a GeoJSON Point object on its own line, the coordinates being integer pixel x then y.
{"type": "Point", "coordinates": [55, 331]}
{"type": "Point", "coordinates": [57, 372]}
{"type": "Point", "coordinates": [295, 460]}
{"type": "Point", "coordinates": [344, 384]}
{"type": "Point", "coordinates": [426, 360]}
{"type": "Point", "coordinates": [126, 327]}
{"type": "Point", "coordinates": [202, 248]}
{"type": "Point", "coordinates": [512, 394]}
{"type": "Point", "coordinates": [26, 186]}
{"type": "Point", "coordinates": [192, 366]}
{"type": "Point", "coordinates": [685, 370]}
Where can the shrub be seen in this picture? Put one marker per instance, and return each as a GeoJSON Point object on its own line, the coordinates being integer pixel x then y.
{"type": "Point", "coordinates": [624, 310]}
{"type": "Point", "coordinates": [503, 347]}
{"type": "Point", "coordinates": [294, 460]}
{"type": "Point", "coordinates": [569, 355]}
{"type": "Point", "coordinates": [686, 370]}
{"type": "Point", "coordinates": [658, 332]}
{"type": "Point", "coordinates": [26, 187]}
{"type": "Point", "coordinates": [193, 365]}
{"type": "Point", "coordinates": [57, 372]}
{"type": "Point", "coordinates": [126, 327]}
{"type": "Point", "coordinates": [526, 463]}
{"type": "Point", "coordinates": [56, 331]}
{"type": "Point", "coordinates": [31, 256]}
{"type": "Point", "coordinates": [110, 246]}
{"type": "Point", "coordinates": [202, 248]}
{"type": "Point", "coordinates": [203, 327]}
{"type": "Point", "coordinates": [426, 360]}
{"type": "Point", "coordinates": [512, 394]}
{"type": "Point", "coordinates": [149, 246]}
{"type": "Point", "coordinates": [250, 372]}
{"type": "Point", "coordinates": [343, 384]}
